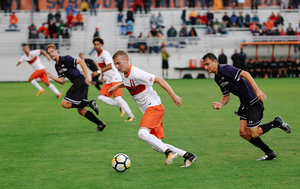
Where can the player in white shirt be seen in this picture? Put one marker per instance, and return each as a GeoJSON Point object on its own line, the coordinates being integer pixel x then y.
{"type": "Point", "coordinates": [110, 77]}
{"type": "Point", "coordinates": [139, 84]}
{"type": "Point", "coordinates": [32, 57]}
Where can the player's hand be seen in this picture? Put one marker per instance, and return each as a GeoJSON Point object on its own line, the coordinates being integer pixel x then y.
{"type": "Point", "coordinates": [217, 105]}
{"type": "Point", "coordinates": [88, 81]}
{"type": "Point", "coordinates": [48, 74]}
{"type": "Point", "coordinates": [112, 90]}
{"type": "Point", "coordinates": [261, 96]}
{"type": "Point", "coordinates": [95, 73]}
{"type": "Point", "coordinates": [177, 100]}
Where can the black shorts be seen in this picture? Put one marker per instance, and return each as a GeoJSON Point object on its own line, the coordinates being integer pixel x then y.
{"type": "Point", "coordinates": [165, 64]}
{"type": "Point", "coordinates": [95, 78]}
{"type": "Point", "coordinates": [78, 91]}
{"type": "Point", "coordinates": [253, 114]}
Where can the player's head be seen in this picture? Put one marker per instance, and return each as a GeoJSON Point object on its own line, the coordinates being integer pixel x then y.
{"type": "Point", "coordinates": [52, 51]}
{"type": "Point", "coordinates": [82, 56]}
{"type": "Point", "coordinates": [121, 61]}
{"type": "Point", "coordinates": [98, 43]}
{"type": "Point", "coordinates": [210, 63]}
{"type": "Point", "coordinates": [26, 49]}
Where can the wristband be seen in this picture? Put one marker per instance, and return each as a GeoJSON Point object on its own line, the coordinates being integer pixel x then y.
{"type": "Point", "coordinates": [99, 71]}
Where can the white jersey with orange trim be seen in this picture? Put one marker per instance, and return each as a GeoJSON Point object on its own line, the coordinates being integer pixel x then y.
{"type": "Point", "coordinates": [33, 59]}
{"type": "Point", "coordinates": [139, 84]}
{"type": "Point", "coordinates": [104, 59]}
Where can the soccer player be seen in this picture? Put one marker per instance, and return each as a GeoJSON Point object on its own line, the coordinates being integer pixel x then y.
{"type": "Point", "coordinates": [76, 96]}
{"type": "Point", "coordinates": [32, 57]}
{"type": "Point", "coordinates": [240, 83]}
{"type": "Point", "coordinates": [110, 77]}
{"type": "Point", "coordinates": [93, 67]}
{"type": "Point", "coordinates": [139, 84]}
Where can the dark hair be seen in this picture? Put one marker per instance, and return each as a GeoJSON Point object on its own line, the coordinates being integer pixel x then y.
{"type": "Point", "coordinates": [98, 39]}
{"type": "Point", "coordinates": [211, 56]}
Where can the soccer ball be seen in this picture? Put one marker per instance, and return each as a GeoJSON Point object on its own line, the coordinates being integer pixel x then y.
{"type": "Point", "coordinates": [121, 162]}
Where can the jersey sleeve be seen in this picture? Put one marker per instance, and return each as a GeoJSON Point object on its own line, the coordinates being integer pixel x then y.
{"type": "Point", "coordinates": [232, 72]}
{"type": "Point", "coordinates": [70, 61]}
{"type": "Point", "coordinates": [22, 58]}
{"type": "Point", "coordinates": [145, 78]}
{"type": "Point", "coordinates": [36, 52]}
{"type": "Point", "coordinates": [107, 58]}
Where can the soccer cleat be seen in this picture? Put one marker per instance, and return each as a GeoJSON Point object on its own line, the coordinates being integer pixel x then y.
{"type": "Point", "coordinates": [170, 157]}
{"type": "Point", "coordinates": [59, 96]}
{"type": "Point", "coordinates": [189, 160]}
{"type": "Point", "coordinates": [40, 92]}
{"type": "Point", "coordinates": [94, 106]}
{"type": "Point", "coordinates": [122, 112]}
{"type": "Point", "coordinates": [268, 156]}
{"type": "Point", "coordinates": [282, 125]}
{"type": "Point", "coordinates": [130, 119]}
{"type": "Point", "coordinates": [101, 127]}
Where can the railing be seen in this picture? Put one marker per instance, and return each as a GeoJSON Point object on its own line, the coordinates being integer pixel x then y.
{"type": "Point", "coordinates": [276, 38]}
{"type": "Point", "coordinates": [38, 41]}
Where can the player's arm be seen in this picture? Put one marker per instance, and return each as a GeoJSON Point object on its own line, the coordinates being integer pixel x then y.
{"type": "Point", "coordinates": [45, 54]}
{"type": "Point", "coordinates": [58, 80]}
{"type": "Point", "coordinates": [18, 63]}
{"type": "Point", "coordinates": [95, 73]}
{"type": "Point", "coordinates": [260, 95]}
{"type": "Point", "coordinates": [84, 69]}
{"type": "Point", "coordinates": [177, 100]}
{"type": "Point", "coordinates": [107, 67]}
{"type": "Point", "coordinates": [115, 88]}
{"type": "Point", "coordinates": [224, 101]}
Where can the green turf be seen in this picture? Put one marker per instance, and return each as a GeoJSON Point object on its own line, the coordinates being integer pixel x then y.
{"type": "Point", "coordinates": [46, 146]}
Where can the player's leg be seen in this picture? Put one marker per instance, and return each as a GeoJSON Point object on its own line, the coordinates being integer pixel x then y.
{"type": "Point", "coordinates": [46, 80]}
{"type": "Point", "coordinates": [123, 104]}
{"type": "Point", "coordinates": [105, 97]}
{"type": "Point", "coordinates": [189, 157]}
{"type": "Point", "coordinates": [90, 116]}
{"type": "Point", "coordinates": [32, 80]}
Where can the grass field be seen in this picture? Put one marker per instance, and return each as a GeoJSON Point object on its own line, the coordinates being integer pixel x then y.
{"type": "Point", "coordinates": [46, 146]}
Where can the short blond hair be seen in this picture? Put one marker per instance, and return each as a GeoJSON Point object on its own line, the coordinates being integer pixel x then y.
{"type": "Point", "coordinates": [120, 53]}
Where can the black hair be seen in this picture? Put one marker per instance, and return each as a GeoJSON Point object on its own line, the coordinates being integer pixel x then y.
{"type": "Point", "coordinates": [98, 39]}
{"type": "Point", "coordinates": [211, 56]}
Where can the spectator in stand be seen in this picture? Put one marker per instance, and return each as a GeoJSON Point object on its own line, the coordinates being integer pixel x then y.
{"type": "Point", "coordinates": [234, 4]}
{"type": "Point", "coordinates": [43, 29]}
{"type": "Point", "coordinates": [198, 18]}
{"type": "Point", "coordinates": [157, 3]}
{"type": "Point", "coordinates": [222, 58]}
{"type": "Point", "coordinates": [297, 47]}
{"type": "Point", "coordinates": [193, 17]}
{"type": "Point", "coordinates": [277, 32]}
{"type": "Point", "coordinates": [93, 7]}
{"type": "Point", "coordinates": [222, 29]}
{"type": "Point", "coordinates": [71, 8]}
{"type": "Point", "coordinates": [138, 5]}
{"type": "Point", "coordinates": [284, 4]}
{"type": "Point", "coordinates": [67, 32]}
{"type": "Point", "coordinates": [177, 3]}
{"type": "Point", "coordinates": [57, 16]}
{"type": "Point", "coordinates": [233, 20]}
{"type": "Point", "coordinates": [217, 23]}
{"type": "Point", "coordinates": [183, 16]}
{"type": "Point", "coordinates": [96, 34]}
{"type": "Point", "coordinates": [282, 32]}
{"type": "Point", "coordinates": [60, 28]}
{"type": "Point", "coordinates": [254, 4]}
{"type": "Point", "coordinates": [160, 30]}
{"type": "Point", "coordinates": [13, 20]}
{"type": "Point", "coordinates": [131, 42]}
{"type": "Point", "coordinates": [6, 4]}
{"type": "Point", "coordinates": [295, 4]}
{"type": "Point", "coordinates": [255, 18]}
{"type": "Point", "coordinates": [273, 17]}
{"type": "Point", "coordinates": [236, 59]}
{"type": "Point", "coordinates": [120, 17]}
{"type": "Point", "coordinates": [160, 21]}
{"type": "Point", "coordinates": [172, 32]}
{"type": "Point", "coordinates": [154, 33]}
{"type": "Point", "coordinates": [50, 16]}
{"type": "Point", "coordinates": [52, 28]}
{"type": "Point", "coordinates": [247, 20]}
{"type": "Point", "coordinates": [204, 19]}
{"type": "Point", "coordinates": [183, 32]}
{"type": "Point", "coordinates": [84, 6]}
{"type": "Point", "coordinates": [252, 26]}
{"type": "Point", "coordinates": [167, 3]}
{"type": "Point", "coordinates": [120, 5]}
{"type": "Point", "coordinates": [264, 32]}
{"type": "Point", "coordinates": [129, 15]}
{"type": "Point", "coordinates": [191, 3]}
{"type": "Point", "coordinates": [79, 19]}
{"type": "Point", "coordinates": [129, 27]}
{"type": "Point", "coordinates": [142, 44]}
{"type": "Point", "coordinates": [258, 25]}
{"type": "Point", "coordinates": [70, 18]}
{"type": "Point", "coordinates": [152, 21]}
{"type": "Point", "coordinates": [251, 67]}
{"type": "Point", "coordinates": [269, 25]}
{"type": "Point", "coordinates": [146, 6]}
{"type": "Point", "coordinates": [291, 29]}
{"type": "Point", "coordinates": [210, 16]}
{"type": "Point", "coordinates": [226, 19]}
{"type": "Point", "coordinates": [240, 20]}
{"type": "Point", "coordinates": [243, 57]}
{"type": "Point", "coordinates": [280, 21]}
{"type": "Point", "coordinates": [192, 32]}
{"type": "Point", "coordinates": [32, 36]}
{"type": "Point", "coordinates": [152, 46]}
{"type": "Point", "coordinates": [265, 71]}
{"type": "Point", "coordinates": [209, 29]}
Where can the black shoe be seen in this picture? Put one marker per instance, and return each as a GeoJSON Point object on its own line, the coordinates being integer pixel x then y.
{"type": "Point", "coordinates": [94, 106]}
{"type": "Point", "coordinates": [101, 127]}
{"type": "Point", "coordinates": [268, 156]}
{"type": "Point", "coordinates": [189, 160]}
{"type": "Point", "coordinates": [282, 125]}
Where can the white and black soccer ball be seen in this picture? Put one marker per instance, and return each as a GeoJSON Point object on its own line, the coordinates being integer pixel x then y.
{"type": "Point", "coordinates": [121, 162]}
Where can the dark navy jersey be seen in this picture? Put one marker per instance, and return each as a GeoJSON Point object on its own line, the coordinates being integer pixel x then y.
{"type": "Point", "coordinates": [66, 67]}
{"type": "Point", "coordinates": [229, 80]}
{"type": "Point", "coordinates": [90, 64]}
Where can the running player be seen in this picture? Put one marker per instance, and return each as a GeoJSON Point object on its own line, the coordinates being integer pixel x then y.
{"type": "Point", "coordinates": [110, 77]}
{"type": "Point", "coordinates": [93, 67]}
{"type": "Point", "coordinates": [241, 84]}
{"type": "Point", "coordinates": [139, 84]}
{"type": "Point", "coordinates": [32, 57]}
{"type": "Point", "coordinates": [76, 96]}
